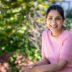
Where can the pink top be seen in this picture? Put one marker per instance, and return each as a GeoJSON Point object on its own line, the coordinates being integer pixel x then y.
{"type": "Point", "coordinates": [56, 48]}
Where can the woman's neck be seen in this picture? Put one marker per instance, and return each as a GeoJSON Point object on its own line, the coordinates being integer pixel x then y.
{"type": "Point", "coordinates": [57, 33]}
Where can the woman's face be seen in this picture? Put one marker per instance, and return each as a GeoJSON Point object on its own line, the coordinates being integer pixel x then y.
{"type": "Point", "coordinates": [54, 21]}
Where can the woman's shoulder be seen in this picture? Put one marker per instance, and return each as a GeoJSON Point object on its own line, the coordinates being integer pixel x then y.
{"type": "Point", "coordinates": [68, 34]}
{"type": "Point", "coordinates": [45, 32]}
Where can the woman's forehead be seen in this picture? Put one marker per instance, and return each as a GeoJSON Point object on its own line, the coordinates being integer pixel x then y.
{"type": "Point", "coordinates": [53, 13]}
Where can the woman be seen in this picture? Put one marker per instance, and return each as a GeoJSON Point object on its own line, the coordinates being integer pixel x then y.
{"type": "Point", "coordinates": [56, 44]}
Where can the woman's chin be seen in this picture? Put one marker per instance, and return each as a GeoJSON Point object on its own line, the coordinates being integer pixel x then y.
{"type": "Point", "coordinates": [53, 30]}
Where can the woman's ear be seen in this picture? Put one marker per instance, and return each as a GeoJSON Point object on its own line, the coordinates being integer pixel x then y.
{"type": "Point", "coordinates": [64, 24]}
{"type": "Point", "coordinates": [64, 20]}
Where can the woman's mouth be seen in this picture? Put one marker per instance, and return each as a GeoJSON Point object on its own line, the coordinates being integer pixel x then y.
{"type": "Point", "coordinates": [54, 26]}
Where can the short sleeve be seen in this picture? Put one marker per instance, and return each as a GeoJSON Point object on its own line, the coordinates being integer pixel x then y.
{"type": "Point", "coordinates": [66, 50]}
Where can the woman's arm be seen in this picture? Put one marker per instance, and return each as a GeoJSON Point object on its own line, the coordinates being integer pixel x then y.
{"type": "Point", "coordinates": [31, 67]}
{"type": "Point", "coordinates": [51, 67]}
{"type": "Point", "coordinates": [42, 62]}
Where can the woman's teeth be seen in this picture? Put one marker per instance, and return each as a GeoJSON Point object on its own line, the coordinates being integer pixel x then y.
{"type": "Point", "coordinates": [53, 26]}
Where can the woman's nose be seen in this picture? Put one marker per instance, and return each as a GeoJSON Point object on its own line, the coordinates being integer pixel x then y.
{"type": "Point", "coordinates": [53, 22]}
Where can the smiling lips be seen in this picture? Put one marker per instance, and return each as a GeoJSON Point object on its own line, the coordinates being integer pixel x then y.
{"type": "Point", "coordinates": [54, 26]}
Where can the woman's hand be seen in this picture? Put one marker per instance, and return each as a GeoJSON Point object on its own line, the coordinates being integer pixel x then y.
{"type": "Point", "coordinates": [38, 69]}
{"type": "Point", "coordinates": [4, 67]}
{"type": "Point", "coordinates": [26, 68]}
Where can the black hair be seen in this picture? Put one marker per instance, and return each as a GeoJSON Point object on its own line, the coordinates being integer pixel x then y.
{"type": "Point", "coordinates": [56, 7]}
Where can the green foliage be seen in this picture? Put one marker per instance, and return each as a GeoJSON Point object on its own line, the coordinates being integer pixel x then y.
{"type": "Point", "coordinates": [69, 13]}
{"type": "Point", "coordinates": [68, 23]}
{"type": "Point", "coordinates": [14, 24]}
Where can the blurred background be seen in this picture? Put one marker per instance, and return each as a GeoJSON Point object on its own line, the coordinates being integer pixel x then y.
{"type": "Point", "coordinates": [21, 26]}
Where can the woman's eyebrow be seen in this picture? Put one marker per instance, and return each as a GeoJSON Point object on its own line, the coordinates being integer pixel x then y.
{"type": "Point", "coordinates": [55, 17]}
{"type": "Point", "coordinates": [59, 16]}
{"type": "Point", "coordinates": [50, 16]}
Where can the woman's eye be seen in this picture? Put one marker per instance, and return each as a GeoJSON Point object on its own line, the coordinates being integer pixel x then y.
{"type": "Point", "coordinates": [49, 18]}
{"type": "Point", "coordinates": [58, 18]}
